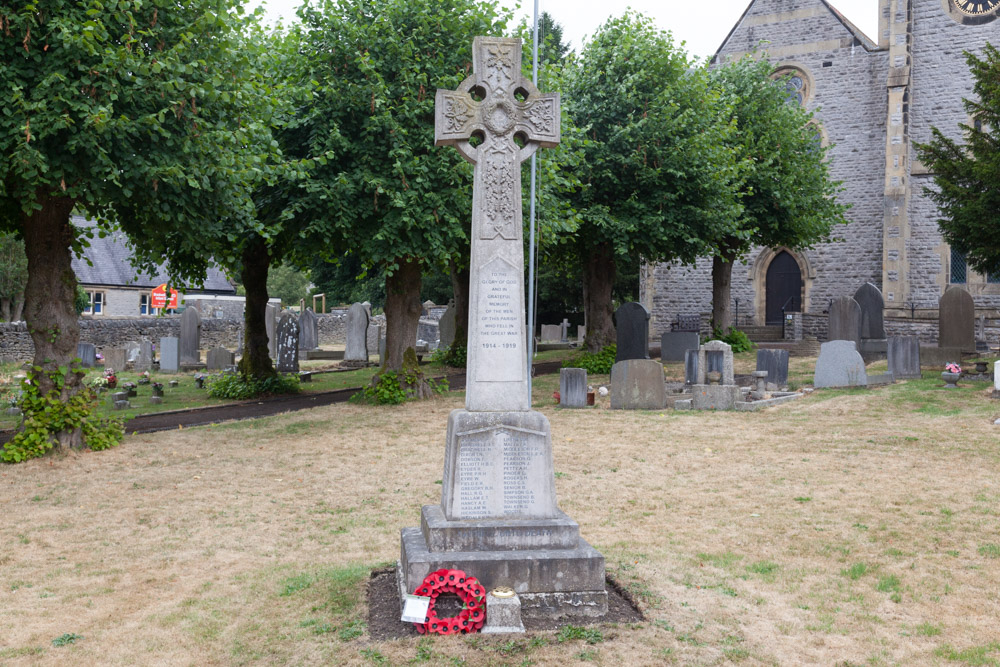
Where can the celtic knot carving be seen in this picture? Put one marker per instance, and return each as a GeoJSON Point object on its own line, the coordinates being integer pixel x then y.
{"type": "Point", "coordinates": [541, 115]}
{"type": "Point", "coordinates": [457, 113]}
{"type": "Point", "coordinates": [498, 178]}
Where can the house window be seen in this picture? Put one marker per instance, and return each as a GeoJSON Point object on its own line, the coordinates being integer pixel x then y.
{"type": "Point", "coordinates": [146, 309]}
{"type": "Point", "coordinates": [97, 303]}
{"type": "Point", "coordinates": [959, 269]}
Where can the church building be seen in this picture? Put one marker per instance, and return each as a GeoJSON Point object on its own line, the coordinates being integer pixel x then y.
{"type": "Point", "coordinates": [873, 99]}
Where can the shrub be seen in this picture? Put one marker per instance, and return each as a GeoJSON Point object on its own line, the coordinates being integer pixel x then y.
{"type": "Point", "coordinates": [388, 389]}
{"type": "Point", "coordinates": [598, 363]}
{"type": "Point", "coordinates": [238, 388]}
{"type": "Point", "coordinates": [735, 338]}
{"type": "Point", "coordinates": [453, 356]}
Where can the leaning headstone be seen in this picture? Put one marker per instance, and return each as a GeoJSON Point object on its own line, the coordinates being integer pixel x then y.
{"type": "Point", "coordinates": [308, 330]}
{"type": "Point", "coordinates": [287, 334]}
{"type": "Point", "coordinates": [115, 358]}
{"type": "Point", "coordinates": [573, 387]}
{"type": "Point", "coordinates": [356, 351]}
{"type": "Point", "coordinates": [840, 365]}
{"type": "Point", "coordinates": [190, 338]}
{"type": "Point", "coordinates": [271, 326]}
{"type": "Point", "coordinates": [638, 384]}
{"type": "Point", "coordinates": [498, 517]}
{"type": "Point", "coordinates": [87, 353]}
{"type": "Point", "coordinates": [957, 320]}
{"type": "Point", "coordinates": [632, 324]}
{"type": "Point", "coordinates": [145, 359]}
{"type": "Point", "coordinates": [219, 358]}
{"type": "Point", "coordinates": [904, 356]}
{"type": "Point", "coordinates": [872, 306]}
{"type": "Point", "coordinates": [170, 360]}
{"type": "Point", "coordinates": [446, 326]}
{"type": "Point", "coordinates": [775, 362]}
{"type": "Point", "coordinates": [551, 333]}
{"type": "Point", "coordinates": [845, 320]}
{"type": "Point", "coordinates": [673, 344]}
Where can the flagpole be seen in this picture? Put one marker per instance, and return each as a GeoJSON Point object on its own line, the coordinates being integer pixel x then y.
{"type": "Point", "coordinates": [531, 223]}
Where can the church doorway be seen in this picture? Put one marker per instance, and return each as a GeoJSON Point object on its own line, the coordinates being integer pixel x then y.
{"type": "Point", "coordinates": [783, 288]}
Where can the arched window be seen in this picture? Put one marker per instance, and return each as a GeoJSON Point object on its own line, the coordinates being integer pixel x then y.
{"type": "Point", "coordinates": [797, 83]}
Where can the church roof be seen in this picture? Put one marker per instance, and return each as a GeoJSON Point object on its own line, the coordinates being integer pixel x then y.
{"type": "Point", "coordinates": [855, 31]}
{"type": "Point", "coordinates": [111, 265]}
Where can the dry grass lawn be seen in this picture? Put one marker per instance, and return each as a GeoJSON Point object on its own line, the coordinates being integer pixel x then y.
{"type": "Point", "coordinates": [847, 528]}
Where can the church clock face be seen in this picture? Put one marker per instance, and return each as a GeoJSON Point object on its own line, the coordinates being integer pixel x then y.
{"type": "Point", "coordinates": [977, 7]}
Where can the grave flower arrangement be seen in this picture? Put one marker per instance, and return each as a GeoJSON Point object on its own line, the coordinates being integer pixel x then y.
{"type": "Point", "coordinates": [98, 383]}
{"type": "Point", "coordinates": [953, 368]}
{"type": "Point", "coordinates": [112, 379]}
{"type": "Point", "coordinates": [144, 378]}
{"type": "Point", "coordinates": [9, 399]}
{"type": "Point", "coordinates": [199, 380]}
{"type": "Point", "coordinates": [131, 388]}
{"type": "Point", "coordinates": [157, 389]}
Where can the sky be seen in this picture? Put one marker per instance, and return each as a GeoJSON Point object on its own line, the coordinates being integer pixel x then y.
{"type": "Point", "coordinates": [701, 25]}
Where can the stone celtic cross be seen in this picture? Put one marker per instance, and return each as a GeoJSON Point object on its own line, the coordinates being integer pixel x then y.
{"type": "Point", "coordinates": [511, 119]}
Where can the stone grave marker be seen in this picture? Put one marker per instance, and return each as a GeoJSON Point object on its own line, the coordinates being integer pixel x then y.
{"type": "Point", "coordinates": [845, 320]}
{"type": "Point", "coordinates": [904, 356]}
{"type": "Point", "coordinates": [691, 366]}
{"type": "Point", "coordinates": [144, 361]}
{"type": "Point", "coordinates": [840, 365]}
{"type": "Point", "coordinates": [357, 335]}
{"type": "Point", "coordinates": [706, 395]}
{"type": "Point", "coordinates": [87, 353]}
{"type": "Point", "coordinates": [498, 516]}
{"type": "Point", "coordinates": [673, 344]}
{"type": "Point", "coordinates": [170, 360]}
{"type": "Point", "coordinates": [308, 330]}
{"type": "Point", "coordinates": [996, 379]}
{"type": "Point", "coordinates": [115, 358]}
{"type": "Point", "coordinates": [551, 333]}
{"type": "Point", "coordinates": [190, 338]}
{"type": "Point", "coordinates": [131, 353]}
{"type": "Point", "coordinates": [581, 334]}
{"type": "Point", "coordinates": [872, 306]}
{"type": "Point", "coordinates": [271, 326]}
{"type": "Point", "coordinates": [564, 331]}
{"type": "Point", "coordinates": [446, 325]}
{"type": "Point", "coordinates": [632, 324]}
{"type": "Point", "coordinates": [219, 358]}
{"type": "Point", "coordinates": [957, 320]}
{"type": "Point", "coordinates": [287, 334]}
{"type": "Point", "coordinates": [573, 387]}
{"type": "Point", "coordinates": [775, 362]}
{"type": "Point", "coordinates": [638, 384]}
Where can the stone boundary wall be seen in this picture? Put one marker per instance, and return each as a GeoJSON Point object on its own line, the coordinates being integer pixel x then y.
{"type": "Point", "coordinates": [924, 328]}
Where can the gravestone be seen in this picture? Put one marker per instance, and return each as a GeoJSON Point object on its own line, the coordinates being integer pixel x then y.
{"type": "Point", "coordinates": [673, 344]}
{"type": "Point", "coordinates": [308, 330]}
{"type": "Point", "coordinates": [904, 356]}
{"type": "Point", "coordinates": [357, 335]}
{"type": "Point", "coordinates": [573, 387]}
{"type": "Point", "coordinates": [996, 379]}
{"type": "Point", "coordinates": [707, 395]}
{"type": "Point", "coordinates": [638, 384]}
{"type": "Point", "coordinates": [219, 358]}
{"type": "Point", "coordinates": [713, 358]}
{"type": "Point", "coordinates": [845, 320]}
{"type": "Point", "coordinates": [115, 358]}
{"type": "Point", "coordinates": [287, 334]}
{"type": "Point", "coordinates": [872, 306]}
{"type": "Point", "coordinates": [190, 339]}
{"type": "Point", "coordinates": [775, 362]}
{"type": "Point", "coordinates": [446, 325]}
{"type": "Point", "coordinates": [581, 334]}
{"type": "Point", "coordinates": [551, 333]}
{"type": "Point", "coordinates": [87, 353]}
{"type": "Point", "coordinates": [145, 359]}
{"type": "Point", "coordinates": [957, 320]}
{"type": "Point", "coordinates": [131, 353]}
{"type": "Point", "coordinates": [632, 324]}
{"type": "Point", "coordinates": [498, 516]}
{"type": "Point", "coordinates": [271, 326]}
{"type": "Point", "coordinates": [840, 365]}
{"type": "Point", "coordinates": [564, 331]}
{"type": "Point", "coordinates": [170, 360]}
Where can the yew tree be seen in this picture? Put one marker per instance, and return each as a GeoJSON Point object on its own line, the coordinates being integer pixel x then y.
{"type": "Point", "coordinates": [126, 111]}
{"type": "Point", "coordinates": [967, 173]}
{"type": "Point", "coordinates": [657, 172]}
{"type": "Point", "coordinates": [787, 196]}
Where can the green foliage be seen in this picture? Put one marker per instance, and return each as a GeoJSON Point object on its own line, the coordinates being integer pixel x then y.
{"type": "Point", "coordinates": [48, 414]}
{"type": "Point", "coordinates": [392, 388]}
{"type": "Point", "coordinates": [82, 300]}
{"type": "Point", "coordinates": [66, 639]}
{"type": "Point", "coordinates": [239, 388]}
{"type": "Point", "coordinates": [13, 271]}
{"type": "Point", "coordinates": [967, 174]}
{"type": "Point", "coordinates": [735, 338]}
{"type": "Point", "coordinates": [572, 632]}
{"type": "Point", "coordinates": [598, 363]}
{"type": "Point", "coordinates": [453, 356]}
{"type": "Point", "coordinates": [288, 284]}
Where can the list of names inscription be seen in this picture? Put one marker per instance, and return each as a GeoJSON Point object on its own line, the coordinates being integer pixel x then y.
{"type": "Point", "coordinates": [497, 474]}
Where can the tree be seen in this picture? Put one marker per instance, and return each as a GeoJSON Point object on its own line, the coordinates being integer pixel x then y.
{"type": "Point", "coordinates": [127, 111]}
{"type": "Point", "coordinates": [288, 284]}
{"type": "Point", "coordinates": [399, 202]}
{"type": "Point", "coordinates": [785, 189]}
{"type": "Point", "coordinates": [658, 174]}
{"type": "Point", "coordinates": [13, 276]}
{"type": "Point", "coordinates": [967, 175]}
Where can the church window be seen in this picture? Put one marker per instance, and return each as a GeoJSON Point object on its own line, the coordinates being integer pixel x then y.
{"type": "Point", "coordinates": [796, 83]}
{"type": "Point", "coordinates": [959, 268]}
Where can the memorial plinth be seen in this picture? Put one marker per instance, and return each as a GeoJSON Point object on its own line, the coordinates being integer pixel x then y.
{"type": "Point", "coordinates": [498, 519]}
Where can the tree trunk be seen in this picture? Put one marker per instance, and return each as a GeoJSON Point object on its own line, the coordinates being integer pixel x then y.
{"type": "Point", "coordinates": [598, 281]}
{"type": "Point", "coordinates": [50, 297]}
{"type": "Point", "coordinates": [18, 309]}
{"type": "Point", "coordinates": [402, 313]}
{"type": "Point", "coordinates": [460, 288]}
{"type": "Point", "coordinates": [722, 281]}
{"type": "Point", "coordinates": [5, 309]}
{"type": "Point", "coordinates": [256, 362]}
